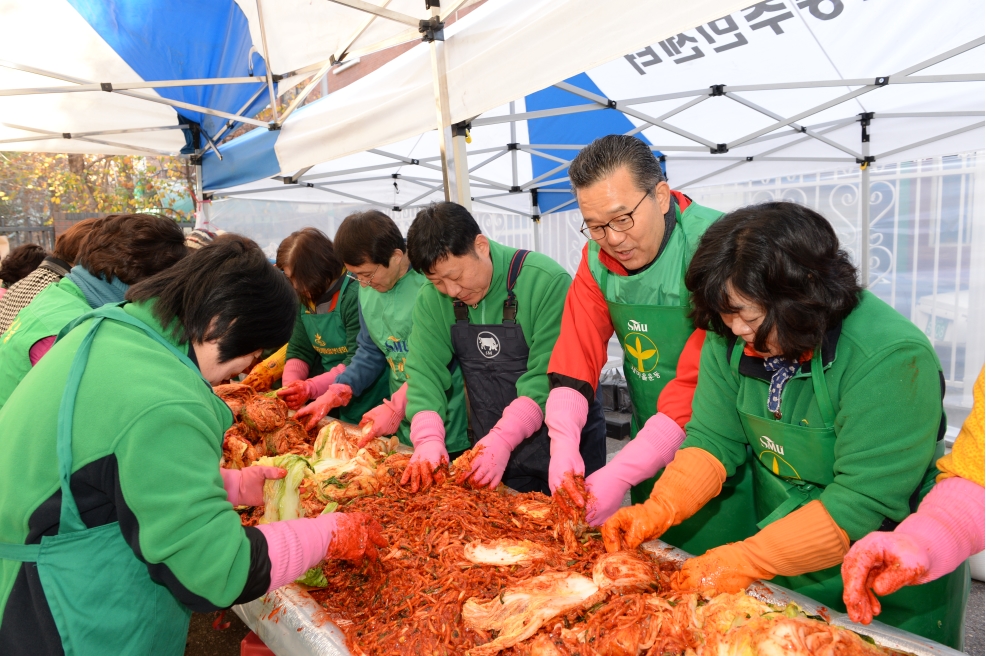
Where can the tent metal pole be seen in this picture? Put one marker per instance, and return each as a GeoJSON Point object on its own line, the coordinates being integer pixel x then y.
{"type": "Point", "coordinates": [501, 207]}
{"type": "Point", "coordinates": [203, 207]}
{"type": "Point", "coordinates": [127, 86]}
{"type": "Point", "coordinates": [460, 165]}
{"type": "Point", "coordinates": [864, 221]}
{"type": "Point", "coordinates": [932, 139]}
{"type": "Point", "coordinates": [536, 220]}
{"type": "Point", "coordinates": [864, 200]}
{"type": "Point", "coordinates": [270, 78]}
{"type": "Point", "coordinates": [542, 113]}
{"type": "Point", "coordinates": [677, 110]}
{"type": "Point", "coordinates": [444, 122]}
{"type": "Point", "coordinates": [513, 140]}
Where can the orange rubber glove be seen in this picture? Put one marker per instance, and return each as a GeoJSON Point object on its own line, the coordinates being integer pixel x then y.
{"type": "Point", "coordinates": [692, 479]}
{"type": "Point", "coordinates": [807, 540]}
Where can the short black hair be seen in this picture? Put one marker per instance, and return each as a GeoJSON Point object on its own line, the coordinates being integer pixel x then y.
{"type": "Point", "coordinates": [368, 236]}
{"type": "Point", "coordinates": [614, 151]}
{"type": "Point", "coordinates": [226, 290]}
{"type": "Point", "coordinates": [785, 258]}
{"type": "Point", "coordinates": [439, 231]}
{"type": "Point", "coordinates": [21, 261]}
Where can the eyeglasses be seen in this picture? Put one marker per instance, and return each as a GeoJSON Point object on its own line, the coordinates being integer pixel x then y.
{"type": "Point", "coordinates": [621, 223]}
{"type": "Point", "coordinates": [366, 282]}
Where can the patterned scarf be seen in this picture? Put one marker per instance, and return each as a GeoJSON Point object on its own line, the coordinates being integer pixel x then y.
{"type": "Point", "coordinates": [98, 291]}
{"type": "Point", "coordinates": [783, 370]}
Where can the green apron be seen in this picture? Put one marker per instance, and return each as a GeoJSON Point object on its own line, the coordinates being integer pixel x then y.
{"type": "Point", "coordinates": [326, 331]}
{"type": "Point", "coordinates": [388, 318]}
{"type": "Point", "coordinates": [792, 464]}
{"type": "Point", "coordinates": [649, 312]}
{"type": "Point", "coordinates": [100, 594]}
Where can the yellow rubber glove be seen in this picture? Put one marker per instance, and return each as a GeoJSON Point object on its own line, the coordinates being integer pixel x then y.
{"type": "Point", "coordinates": [693, 478]}
{"type": "Point", "coordinates": [264, 374]}
{"type": "Point", "coordinates": [807, 540]}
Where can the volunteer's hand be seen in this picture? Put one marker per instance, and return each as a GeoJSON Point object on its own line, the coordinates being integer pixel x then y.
{"type": "Point", "coordinates": [630, 527]}
{"type": "Point", "coordinates": [565, 414]}
{"type": "Point", "coordinates": [646, 454]}
{"type": "Point", "coordinates": [337, 395]}
{"type": "Point", "coordinates": [428, 438]}
{"type": "Point", "coordinates": [260, 378]}
{"type": "Point", "coordinates": [489, 463]}
{"type": "Point", "coordinates": [245, 487]}
{"type": "Point", "coordinates": [356, 536]}
{"type": "Point", "coordinates": [520, 419]}
{"type": "Point", "coordinates": [384, 419]}
{"type": "Point", "coordinates": [882, 562]}
{"type": "Point", "coordinates": [729, 568]}
{"type": "Point", "coordinates": [295, 395]}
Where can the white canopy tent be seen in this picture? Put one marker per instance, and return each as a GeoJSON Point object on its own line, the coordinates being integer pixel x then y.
{"type": "Point", "coordinates": [776, 88]}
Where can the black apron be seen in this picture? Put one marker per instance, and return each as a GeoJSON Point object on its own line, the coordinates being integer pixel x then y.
{"type": "Point", "coordinates": [493, 357]}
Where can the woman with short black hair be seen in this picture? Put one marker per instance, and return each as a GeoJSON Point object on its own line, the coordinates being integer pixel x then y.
{"type": "Point", "coordinates": [840, 399]}
{"type": "Point", "coordinates": [116, 521]}
{"type": "Point", "coordinates": [324, 340]}
{"type": "Point", "coordinates": [119, 251]}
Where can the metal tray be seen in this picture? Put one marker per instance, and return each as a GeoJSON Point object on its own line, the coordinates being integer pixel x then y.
{"type": "Point", "coordinates": [291, 623]}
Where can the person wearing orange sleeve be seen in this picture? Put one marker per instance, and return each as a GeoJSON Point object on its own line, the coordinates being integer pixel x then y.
{"type": "Point", "coordinates": [830, 398]}
{"type": "Point", "coordinates": [630, 281]}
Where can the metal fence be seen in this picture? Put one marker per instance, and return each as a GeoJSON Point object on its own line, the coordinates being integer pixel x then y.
{"type": "Point", "coordinates": [43, 236]}
{"type": "Point", "coordinates": [926, 245]}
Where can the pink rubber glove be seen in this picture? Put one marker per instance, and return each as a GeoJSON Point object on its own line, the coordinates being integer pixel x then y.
{"type": "Point", "coordinates": [519, 421]}
{"type": "Point", "coordinates": [946, 529]}
{"type": "Point", "coordinates": [428, 438]}
{"type": "Point", "coordinates": [337, 395]}
{"type": "Point", "coordinates": [294, 369]}
{"type": "Point", "coordinates": [297, 545]}
{"type": "Point", "coordinates": [320, 384]}
{"type": "Point", "coordinates": [650, 451]}
{"type": "Point", "coordinates": [565, 414]}
{"type": "Point", "coordinates": [245, 487]}
{"type": "Point", "coordinates": [384, 419]}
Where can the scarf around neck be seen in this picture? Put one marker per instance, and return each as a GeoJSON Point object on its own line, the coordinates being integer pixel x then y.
{"type": "Point", "coordinates": [98, 291]}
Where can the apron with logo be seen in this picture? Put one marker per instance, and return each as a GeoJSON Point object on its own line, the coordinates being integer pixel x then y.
{"type": "Point", "coordinates": [649, 312]}
{"type": "Point", "coordinates": [100, 594]}
{"type": "Point", "coordinates": [326, 331]}
{"type": "Point", "coordinates": [388, 320]}
{"type": "Point", "coordinates": [792, 464]}
{"type": "Point", "coordinates": [493, 357]}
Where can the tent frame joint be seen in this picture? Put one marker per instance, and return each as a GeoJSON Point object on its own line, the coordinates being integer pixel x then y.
{"type": "Point", "coordinates": [717, 90]}
{"type": "Point", "coordinates": [720, 149]}
{"type": "Point", "coordinates": [432, 29]}
{"type": "Point", "coordinates": [882, 81]}
{"type": "Point", "coordinates": [513, 146]}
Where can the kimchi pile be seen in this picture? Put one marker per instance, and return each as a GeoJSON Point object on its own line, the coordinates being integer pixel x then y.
{"type": "Point", "coordinates": [483, 572]}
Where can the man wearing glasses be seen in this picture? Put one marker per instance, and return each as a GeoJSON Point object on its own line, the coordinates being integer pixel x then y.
{"type": "Point", "coordinates": [496, 311]}
{"type": "Point", "coordinates": [371, 246]}
{"type": "Point", "coordinates": [641, 236]}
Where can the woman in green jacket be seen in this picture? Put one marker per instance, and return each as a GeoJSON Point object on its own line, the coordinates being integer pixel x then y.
{"type": "Point", "coordinates": [121, 250]}
{"type": "Point", "coordinates": [830, 396]}
{"type": "Point", "coordinates": [115, 519]}
{"type": "Point", "coordinates": [324, 340]}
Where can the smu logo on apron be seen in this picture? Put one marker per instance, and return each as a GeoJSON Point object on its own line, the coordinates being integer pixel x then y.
{"type": "Point", "coordinates": [641, 352]}
{"type": "Point", "coordinates": [772, 457]}
{"type": "Point", "coordinates": [488, 344]}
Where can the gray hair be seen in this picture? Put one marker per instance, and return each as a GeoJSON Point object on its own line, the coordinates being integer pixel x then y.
{"type": "Point", "coordinates": [607, 154]}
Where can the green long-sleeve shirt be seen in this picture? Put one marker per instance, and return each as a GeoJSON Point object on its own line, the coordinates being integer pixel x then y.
{"type": "Point", "coordinates": [147, 441]}
{"type": "Point", "coordinates": [886, 386]}
{"type": "Point", "coordinates": [540, 290]}
{"type": "Point", "coordinates": [301, 347]}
